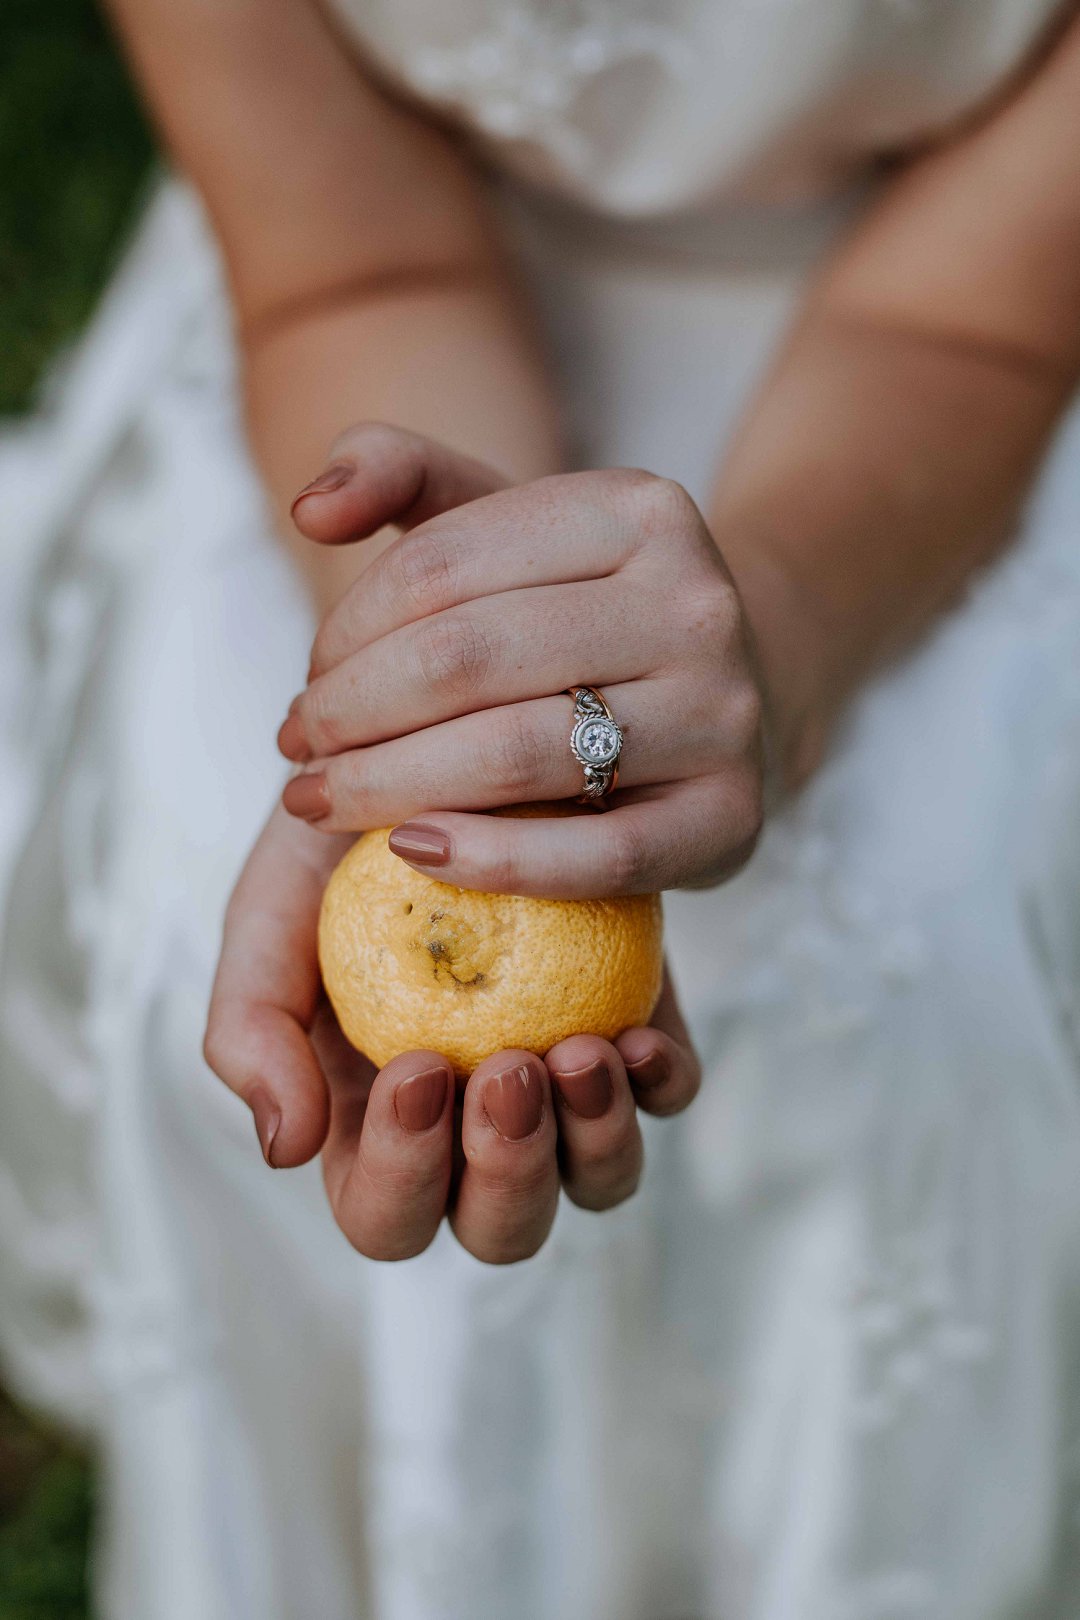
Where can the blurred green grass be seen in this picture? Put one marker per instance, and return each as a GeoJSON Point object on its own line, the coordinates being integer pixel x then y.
{"type": "Point", "coordinates": [74, 154]}
{"type": "Point", "coordinates": [46, 1495]}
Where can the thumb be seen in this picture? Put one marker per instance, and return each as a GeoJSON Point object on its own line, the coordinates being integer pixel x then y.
{"type": "Point", "coordinates": [379, 474]}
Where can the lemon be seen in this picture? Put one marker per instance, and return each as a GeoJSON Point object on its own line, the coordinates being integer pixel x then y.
{"type": "Point", "coordinates": [410, 963]}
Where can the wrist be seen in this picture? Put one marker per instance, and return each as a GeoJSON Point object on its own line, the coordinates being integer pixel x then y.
{"type": "Point", "coordinates": [788, 644]}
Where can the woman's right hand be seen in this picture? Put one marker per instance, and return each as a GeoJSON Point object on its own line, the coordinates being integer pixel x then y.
{"type": "Point", "coordinates": [401, 1148]}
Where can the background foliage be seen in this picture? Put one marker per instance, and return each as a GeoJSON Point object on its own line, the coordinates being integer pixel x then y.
{"type": "Point", "coordinates": [74, 154]}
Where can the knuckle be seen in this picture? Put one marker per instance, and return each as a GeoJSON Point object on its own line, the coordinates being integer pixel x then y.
{"type": "Point", "coordinates": [665, 1104]}
{"type": "Point", "coordinates": [387, 1244]}
{"type": "Point", "coordinates": [596, 1193]}
{"type": "Point", "coordinates": [746, 818]}
{"type": "Point", "coordinates": [336, 636]}
{"type": "Point", "coordinates": [713, 614]}
{"type": "Point", "coordinates": [426, 573]}
{"type": "Point", "coordinates": [510, 756]}
{"type": "Point", "coordinates": [455, 655]}
{"type": "Point", "coordinates": [628, 857]}
{"type": "Point", "coordinates": [319, 715]}
{"type": "Point", "coordinates": [322, 648]}
{"type": "Point", "coordinates": [660, 505]}
{"type": "Point", "coordinates": [369, 438]}
{"type": "Point", "coordinates": [500, 1251]}
{"type": "Point", "coordinates": [503, 870]}
{"type": "Point", "coordinates": [607, 1158]}
{"type": "Point", "coordinates": [745, 715]}
{"type": "Point", "coordinates": [215, 1046]}
{"type": "Point", "coordinates": [504, 1248]}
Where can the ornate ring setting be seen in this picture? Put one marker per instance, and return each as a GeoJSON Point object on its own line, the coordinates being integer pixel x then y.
{"type": "Point", "coordinates": [596, 742]}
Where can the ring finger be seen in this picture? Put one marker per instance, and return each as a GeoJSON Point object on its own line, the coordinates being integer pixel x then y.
{"type": "Point", "coordinates": [512, 755]}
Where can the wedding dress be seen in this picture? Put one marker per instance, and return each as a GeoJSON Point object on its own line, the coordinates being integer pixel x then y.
{"type": "Point", "coordinates": [826, 1366]}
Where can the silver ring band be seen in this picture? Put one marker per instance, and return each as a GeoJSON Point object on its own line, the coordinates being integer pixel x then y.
{"type": "Point", "coordinates": [595, 742]}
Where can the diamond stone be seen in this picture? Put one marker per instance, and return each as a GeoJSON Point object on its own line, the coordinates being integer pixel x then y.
{"type": "Point", "coordinates": [598, 741]}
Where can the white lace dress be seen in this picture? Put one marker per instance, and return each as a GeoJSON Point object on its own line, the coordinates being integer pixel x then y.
{"type": "Point", "coordinates": [827, 1365]}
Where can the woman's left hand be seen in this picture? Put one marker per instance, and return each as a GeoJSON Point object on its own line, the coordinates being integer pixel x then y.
{"type": "Point", "coordinates": [403, 1147]}
{"type": "Point", "coordinates": [438, 683]}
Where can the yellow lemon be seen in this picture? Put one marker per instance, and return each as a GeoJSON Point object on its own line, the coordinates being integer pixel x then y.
{"type": "Point", "coordinates": [411, 963]}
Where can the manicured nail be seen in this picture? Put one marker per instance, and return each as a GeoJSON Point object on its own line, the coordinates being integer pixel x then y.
{"type": "Point", "coordinates": [514, 1102]}
{"type": "Point", "coordinates": [307, 796]}
{"type": "Point", "coordinates": [335, 476]}
{"type": "Point", "coordinates": [292, 739]}
{"type": "Point", "coordinates": [267, 1120]}
{"type": "Point", "coordinates": [416, 841]}
{"type": "Point", "coordinates": [649, 1072]}
{"type": "Point", "coordinates": [419, 1101]}
{"type": "Point", "coordinates": [587, 1092]}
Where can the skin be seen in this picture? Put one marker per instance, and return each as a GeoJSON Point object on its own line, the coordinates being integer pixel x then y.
{"type": "Point", "coordinates": [885, 459]}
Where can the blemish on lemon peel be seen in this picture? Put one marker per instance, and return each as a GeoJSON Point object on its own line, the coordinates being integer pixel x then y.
{"type": "Point", "coordinates": [457, 953]}
{"type": "Point", "coordinates": [412, 963]}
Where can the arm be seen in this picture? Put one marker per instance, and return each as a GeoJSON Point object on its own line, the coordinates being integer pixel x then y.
{"type": "Point", "coordinates": [366, 282]}
{"type": "Point", "coordinates": [888, 454]}
{"type": "Point", "coordinates": [366, 279]}
{"type": "Point", "coordinates": [886, 458]}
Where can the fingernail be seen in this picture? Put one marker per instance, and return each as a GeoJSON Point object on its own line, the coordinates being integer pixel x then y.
{"type": "Point", "coordinates": [514, 1102]}
{"type": "Point", "coordinates": [267, 1120]}
{"type": "Point", "coordinates": [420, 1100]}
{"type": "Point", "coordinates": [415, 841]}
{"type": "Point", "coordinates": [335, 476]}
{"type": "Point", "coordinates": [307, 796]}
{"type": "Point", "coordinates": [649, 1072]}
{"type": "Point", "coordinates": [587, 1092]}
{"type": "Point", "coordinates": [292, 739]}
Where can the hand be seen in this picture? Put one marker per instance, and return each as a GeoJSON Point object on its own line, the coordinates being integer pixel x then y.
{"type": "Point", "coordinates": [400, 1149]}
{"type": "Point", "coordinates": [438, 682]}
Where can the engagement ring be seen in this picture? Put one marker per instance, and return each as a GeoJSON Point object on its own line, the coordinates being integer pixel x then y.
{"type": "Point", "coordinates": [596, 742]}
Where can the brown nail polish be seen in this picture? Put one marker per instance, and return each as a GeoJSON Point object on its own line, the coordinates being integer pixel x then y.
{"type": "Point", "coordinates": [514, 1102]}
{"type": "Point", "coordinates": [267, 1120]}
{"type": "Point", "coordinates": [292, 740]}
{"type": "Point", "coordinates": [415, 841]}
{"type": "Point", "coordinates": [335, 477]}
{"type": "Point", "coordinates": [419, 1101]}
{"type": "Point", "coordinates": [307, 796]}
{"type": "Point", "coordinates": [649, 1072]}
{"type": "Point", "coordinates": [587, 1092]}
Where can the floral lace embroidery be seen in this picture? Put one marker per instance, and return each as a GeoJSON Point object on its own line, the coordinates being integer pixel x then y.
{"type": "Point", "coordinates": [520, 74]}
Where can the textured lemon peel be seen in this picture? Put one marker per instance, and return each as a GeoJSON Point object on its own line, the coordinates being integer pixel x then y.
{"type": "Point", "coordinates": [412, 963]}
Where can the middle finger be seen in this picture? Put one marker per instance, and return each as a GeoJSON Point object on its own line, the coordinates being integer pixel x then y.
{"type": "Point", "coordinates": [517, 754]}
{"type": "Point", "coordinates": [499, 649]}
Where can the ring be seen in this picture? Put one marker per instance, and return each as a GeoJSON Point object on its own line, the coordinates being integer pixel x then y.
{"type": "Point", "coordinates": [596, 743]}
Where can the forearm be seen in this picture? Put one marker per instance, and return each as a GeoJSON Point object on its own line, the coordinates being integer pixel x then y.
{"type": "Point", "coordinates": [456, 363]}
{"type": "Point", "coordinates": [366, 277]}
{"type": "Point", "coordinates": [876, 473]}
{"type": "Point", "coordinates": [889, 453]}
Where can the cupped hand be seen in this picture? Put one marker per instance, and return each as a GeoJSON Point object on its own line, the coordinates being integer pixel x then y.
{"type": "Point", "coordinates": [402, 1148]}
{"type": "Point", "coordinates": [438, 684]}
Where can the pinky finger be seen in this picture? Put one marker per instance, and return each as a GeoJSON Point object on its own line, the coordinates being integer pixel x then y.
{"type": "Point", "coordinates": [661, 1064]}
{"type": "Point", "coordinates": [657, 838]}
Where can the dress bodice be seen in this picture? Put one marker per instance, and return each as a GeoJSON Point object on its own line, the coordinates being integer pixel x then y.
{"type": "Point", "coordinates": [646, 107]}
